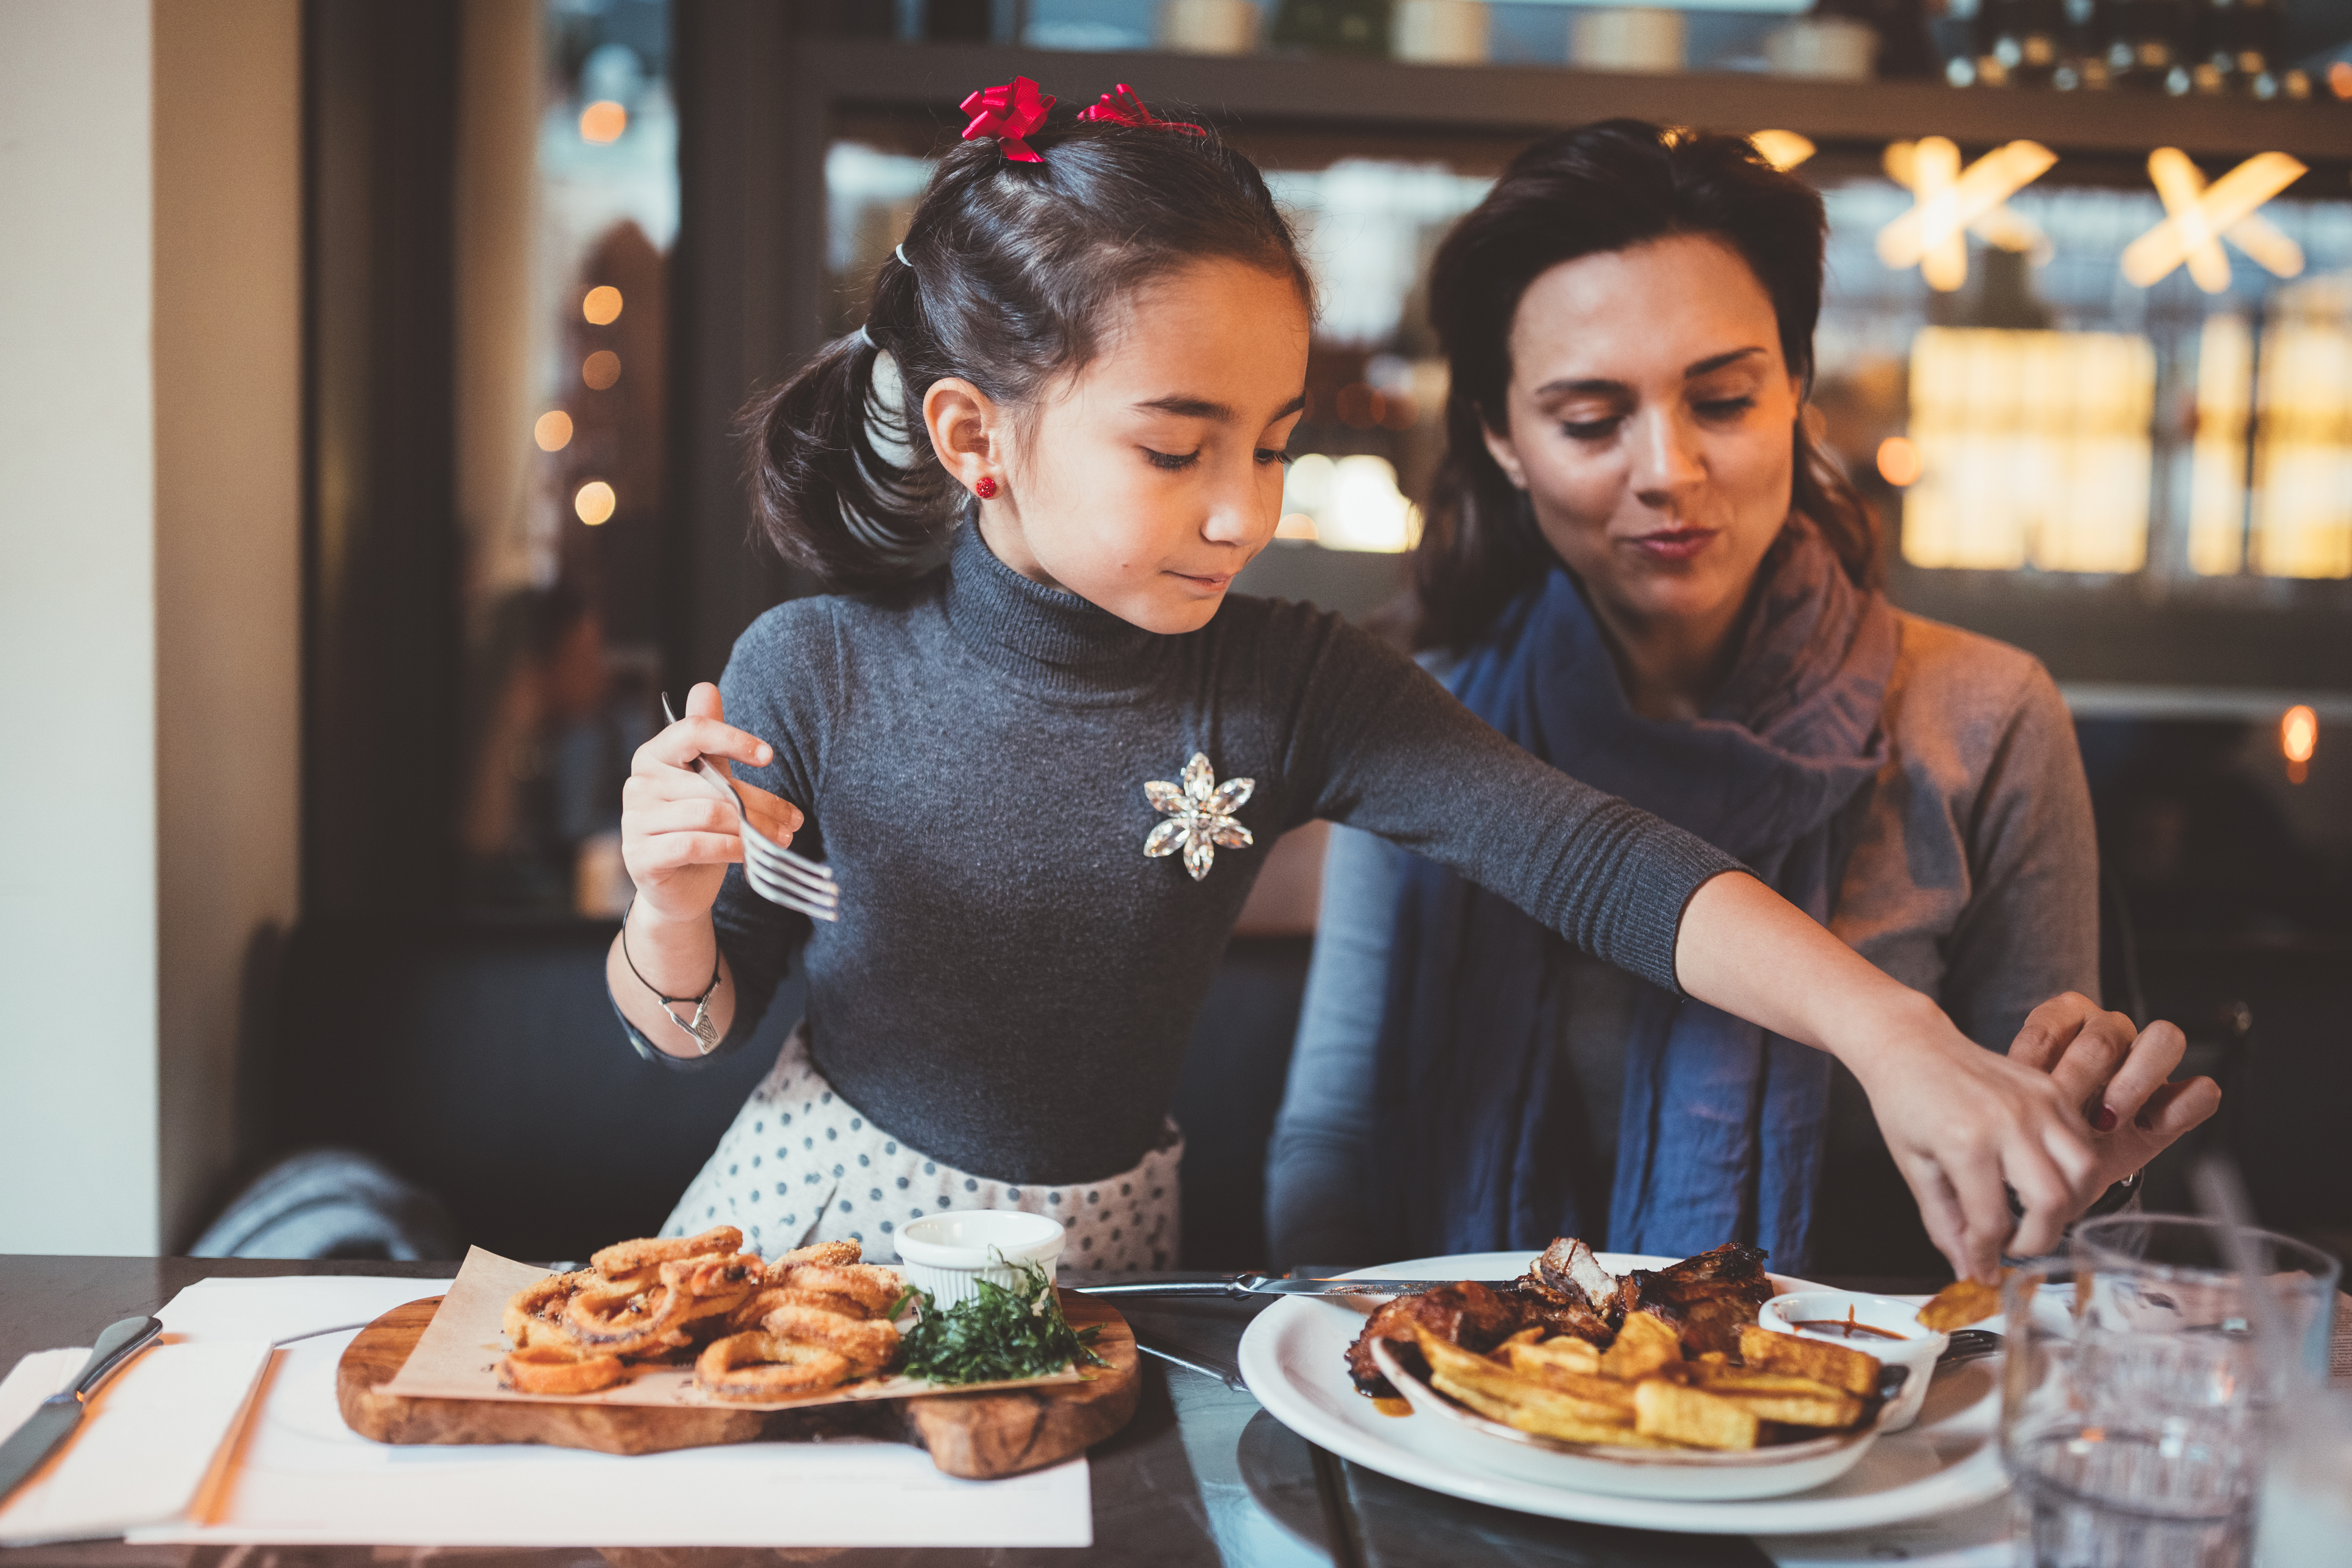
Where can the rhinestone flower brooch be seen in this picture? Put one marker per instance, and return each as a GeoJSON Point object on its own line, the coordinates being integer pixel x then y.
{"type": "Point", "coordinates": [1200, 816]}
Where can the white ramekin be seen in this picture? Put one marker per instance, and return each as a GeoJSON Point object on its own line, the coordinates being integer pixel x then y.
{"type": "Point", "coordinates": [947, 1254]}
{"type": "Point", "coordinates": [1918, 1349]}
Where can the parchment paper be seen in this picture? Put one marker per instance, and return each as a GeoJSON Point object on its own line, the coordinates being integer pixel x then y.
{"type": "Point", "coordinates": [458, 1357]}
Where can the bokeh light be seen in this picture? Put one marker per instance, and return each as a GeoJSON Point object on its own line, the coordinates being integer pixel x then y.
{"type": "Point", "coordinates": [1784, 150]}
{"type": "Point", "coordinates": [603, 305]}
{"type": "Point", "coordinates": [1898, 461]}
{"type": "Point", "coordinates": [594, 501]}
{"type": "Point", "coordinates": [552, 430]}
{"type": "Point", "coordinates": [602, 120]}
{"type": "Point", "coordinates": [601, 369]}
{"type": "Point", "coordinates": [2298, 738]}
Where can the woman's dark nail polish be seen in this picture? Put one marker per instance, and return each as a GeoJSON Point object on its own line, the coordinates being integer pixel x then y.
{"type": "Point", "coordinates": [2105, 1120]}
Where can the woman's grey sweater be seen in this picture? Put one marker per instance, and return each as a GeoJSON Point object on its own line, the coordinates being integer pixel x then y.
{"type": "Point", "coordinates": [1011, 981]}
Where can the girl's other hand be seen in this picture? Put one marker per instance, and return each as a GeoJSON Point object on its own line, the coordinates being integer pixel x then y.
{"type": "Point", "coordinates": [2119, 1077]}
{"type": "Point", "coordinates": [1967, 1128]}
{"type": "Point", "coordinates": [677, 838]}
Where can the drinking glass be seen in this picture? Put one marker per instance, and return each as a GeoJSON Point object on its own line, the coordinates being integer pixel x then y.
{"type": "Point", "coordinates": [2193, 1285]}
{"type": "Point", "coordinates": [2131, 1433]}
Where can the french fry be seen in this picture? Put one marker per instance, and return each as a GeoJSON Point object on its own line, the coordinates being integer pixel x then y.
{"type": "Point", "coordinates": [1849, 1370]}
{"type": "Point", "coordinates": [1455, 1369]}
{"type": "Point", "coordinates": [1524, 1337]}
{"type": "Point", "coordinates": [1527, 1362]}
{"type": "Point", "coordinates": [1692, 1416]}
{"type": "Point", "coordinates": [1746, 1380]}
{"type": "Point", "coordinates": [1791, 1401]}
{"type": "Point", "coordinates": [1646, 1347]}
{"type": "Point", "coordinates": [1958, 1304]}
{"type": "Point", "coordinates": [1538, 1410]}
{"type": "Point", "coordinates": [1568, 1353]}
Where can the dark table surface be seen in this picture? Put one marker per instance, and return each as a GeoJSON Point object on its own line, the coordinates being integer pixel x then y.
{"type": "Point", "coordinates": [1203, 1475]}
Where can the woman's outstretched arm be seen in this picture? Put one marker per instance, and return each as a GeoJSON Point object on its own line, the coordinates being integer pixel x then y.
{"type": "Point", "coordinates": [1961, 1123]}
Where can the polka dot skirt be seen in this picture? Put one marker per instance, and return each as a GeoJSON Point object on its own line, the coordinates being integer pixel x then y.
{"type": "Point", "coordinates": [801, 1164]}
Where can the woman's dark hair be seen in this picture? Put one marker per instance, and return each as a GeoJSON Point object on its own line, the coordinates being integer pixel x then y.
{"type": "Point", "coordinates": [1013, 274]}
{"type": "Point", "coordinates": [1603, 188]}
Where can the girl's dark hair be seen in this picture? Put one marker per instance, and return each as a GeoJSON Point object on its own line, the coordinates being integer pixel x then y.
{"type": "Point", "coordinates": [1012, 275]}
{"type": "Point", "coordinates": [1603, 188]}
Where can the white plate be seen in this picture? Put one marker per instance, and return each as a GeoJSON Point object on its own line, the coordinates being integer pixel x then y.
{"type": "Point", "coordinates": [1293, 1358]}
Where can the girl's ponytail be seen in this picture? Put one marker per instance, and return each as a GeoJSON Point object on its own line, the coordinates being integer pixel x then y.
{"type": "Point", "coordinates": [1010, 274]}
{"type": "Point", "coordinates": [842, 479]}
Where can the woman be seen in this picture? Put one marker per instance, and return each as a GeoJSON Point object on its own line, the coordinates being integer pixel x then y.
{"type": "Point", "coordinates": [1641, 566]}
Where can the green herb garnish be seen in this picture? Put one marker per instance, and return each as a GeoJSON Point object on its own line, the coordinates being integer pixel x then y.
{"type": "Point", "coordinates": [995, 1334]}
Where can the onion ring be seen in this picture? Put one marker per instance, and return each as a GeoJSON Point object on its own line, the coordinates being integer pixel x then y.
{"type": "Point", "coordinates": [619, 1321]}
{"type": "Point", "coordinates": [532, 1313]}
{"type": "Point", "coordinates": [558, 1369]}
{"type": "Point", "coordinates": [624, 1261]}
{"type": "Point", "coordinates": [831, 1253]}
{"type": "Point", "coordinates": [873, 1288]}
{"type": "Point", "coordinates": [755, 1308]}
{"type": "Point", "coordinates": [866, 1343]}
{"type": "Point", "coordinates": [721, 1276]}
{"type": "Point", "coordinates": [765, 1366]}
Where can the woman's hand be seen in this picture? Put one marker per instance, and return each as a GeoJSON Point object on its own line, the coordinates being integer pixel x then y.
{"type": "Point", "coordinates": [677, 838]}
{"type": "Point", "coordinates": [2119, 1077]}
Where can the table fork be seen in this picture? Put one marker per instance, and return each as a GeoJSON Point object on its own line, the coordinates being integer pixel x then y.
{"type": "Point", "coordinates": [775, 873]}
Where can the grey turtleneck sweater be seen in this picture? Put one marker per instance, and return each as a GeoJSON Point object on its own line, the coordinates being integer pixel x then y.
{"type": "Point", "coordinates": [1011, 981]}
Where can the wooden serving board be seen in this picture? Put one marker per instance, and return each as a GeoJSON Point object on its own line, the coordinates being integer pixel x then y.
{"type": "Point", "coordinates": [978, 1437]}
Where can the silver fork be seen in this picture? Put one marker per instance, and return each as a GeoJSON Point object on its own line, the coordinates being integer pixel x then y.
{"type": "Point", "coordinates": [775, 873]}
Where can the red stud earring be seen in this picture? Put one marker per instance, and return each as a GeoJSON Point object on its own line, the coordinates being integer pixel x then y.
{"type": "Point", "coordinates": [986, 488]}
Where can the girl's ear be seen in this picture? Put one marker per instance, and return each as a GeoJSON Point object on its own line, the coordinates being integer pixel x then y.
{"type": "Point", "coordinates": [1500, 447]}
{"type": "Point", "coordinates": [966, 429]}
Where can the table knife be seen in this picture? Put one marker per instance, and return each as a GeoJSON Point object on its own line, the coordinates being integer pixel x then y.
{"type": "Point", "coordinates": [1238, 1287]}
{"type": "Point", "coordinates": [53, 1419]}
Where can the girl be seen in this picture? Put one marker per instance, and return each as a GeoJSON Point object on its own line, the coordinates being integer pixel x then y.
{"type": "Point", "coordinates": [1039, 769]}
{"type": "Point", "coordinates": [1642, 567]}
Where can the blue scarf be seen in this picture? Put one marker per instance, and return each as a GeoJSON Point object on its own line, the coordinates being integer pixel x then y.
{"type": "Point", "coordinates": [1721, 1128]}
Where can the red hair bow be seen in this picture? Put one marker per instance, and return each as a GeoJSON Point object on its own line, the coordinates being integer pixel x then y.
{"type": "Point", "coordinates": [1123, 108]}
{"type": "Point", "coordinates": [1008, 114]}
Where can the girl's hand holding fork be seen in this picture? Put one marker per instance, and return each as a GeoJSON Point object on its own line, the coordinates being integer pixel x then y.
{"type": "Point", "coordinates": [677, 838]}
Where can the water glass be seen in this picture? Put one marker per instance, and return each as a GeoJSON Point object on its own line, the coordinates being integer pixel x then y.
{"type": "Point", "coordinates": [2131, 1436]}
{"type": "Point", "coordinates": [2192, 1284]}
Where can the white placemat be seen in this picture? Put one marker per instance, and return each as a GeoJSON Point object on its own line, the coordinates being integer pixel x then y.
{"type": "Point", "coordinates": [298, 1475]}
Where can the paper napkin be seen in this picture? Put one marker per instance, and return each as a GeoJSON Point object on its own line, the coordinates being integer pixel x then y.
{"type": "Point", "coordinates": [147, 1447]}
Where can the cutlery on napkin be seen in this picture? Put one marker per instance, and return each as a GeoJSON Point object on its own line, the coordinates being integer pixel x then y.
{"type": "Point", "coordinates": [144, 1446]}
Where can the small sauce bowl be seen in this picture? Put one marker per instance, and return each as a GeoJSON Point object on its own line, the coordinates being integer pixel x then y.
{"type": "Point", "coordinates": [948, 1253]}
{"type": "Point", "coordinates": [1914, 1345]}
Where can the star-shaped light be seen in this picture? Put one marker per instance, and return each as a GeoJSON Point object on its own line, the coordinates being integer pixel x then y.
{"type": "Point", "coordinates": [1200, 816]}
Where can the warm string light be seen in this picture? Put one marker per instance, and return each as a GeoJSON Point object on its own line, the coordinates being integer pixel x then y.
{"type": "Point", "coordinates": [2298, 738]}
{"type": "Point", "coordinates": [2198, 217]}
{"type": "Point", "coordinates": [601, 369]}
{"type": "Point", "coordinates": [602, 308]}
{"type": "Point", "coordinates": [552, 430]}
{"type": "Point", "coordinates": [594, 502]}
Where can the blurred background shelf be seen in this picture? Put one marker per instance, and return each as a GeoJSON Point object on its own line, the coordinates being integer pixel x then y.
{"type": "Point", "coordinates": [1381, 98]}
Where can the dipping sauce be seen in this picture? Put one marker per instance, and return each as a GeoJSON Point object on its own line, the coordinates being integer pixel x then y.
{"type": "Point", "coordinates": [1392, 1406]}
{"type": "Point", "coordinates": [1830, 1328]}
